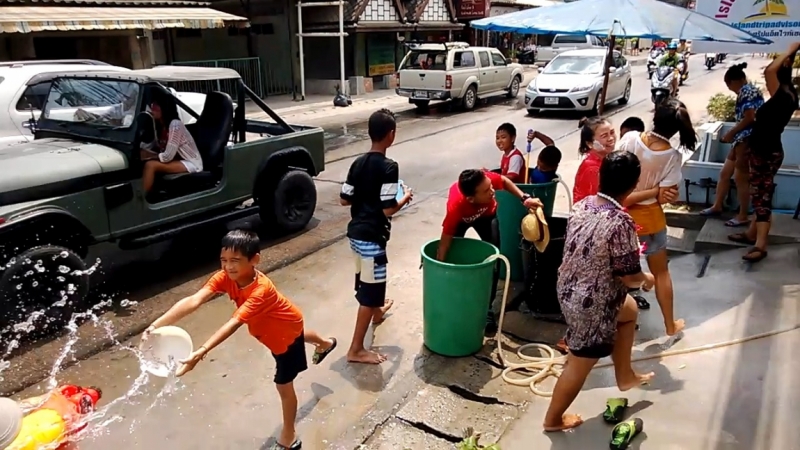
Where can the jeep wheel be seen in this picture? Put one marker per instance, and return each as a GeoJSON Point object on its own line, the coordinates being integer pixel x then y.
{"type": "Point", "coordinates": [49, 278]}
{"type": "Point", "coordinates": [292, 204]}
{"type": "Point", "coordinates": [470, 98]}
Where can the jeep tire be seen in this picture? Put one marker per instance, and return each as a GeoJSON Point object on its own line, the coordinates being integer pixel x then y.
{"type": "Point", "coordinates": [48, 277]}
{"type": "Point", "coordinates": [291, 204]}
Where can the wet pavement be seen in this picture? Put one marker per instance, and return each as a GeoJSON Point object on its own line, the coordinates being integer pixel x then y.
{"type": "Point", "coordinates": [229, 401]}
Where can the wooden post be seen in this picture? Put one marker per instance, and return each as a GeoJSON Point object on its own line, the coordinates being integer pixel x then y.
{"type": "Point", "coordinates": [609, 57]}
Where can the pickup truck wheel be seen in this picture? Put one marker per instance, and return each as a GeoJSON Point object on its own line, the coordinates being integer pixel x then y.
{"type": "Point", "coordinates": [50, 278]}
{"type": "Point", "coordinates": [470, 98]}
{"type": "Point", "coordinates": [513, 89]}
{"type": "Point", "coordinates": [292, 204]}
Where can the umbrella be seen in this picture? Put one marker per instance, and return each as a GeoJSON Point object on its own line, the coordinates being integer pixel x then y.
{"type": "Point", "coordinates": [618, 18]}
{"type": "Point", "coordinates": [639, 18]}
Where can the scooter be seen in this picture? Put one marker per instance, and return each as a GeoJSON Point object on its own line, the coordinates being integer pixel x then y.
{"type": "Point", "coordinates": [683, 71]}
{"type": "Point", "coordinates": [652, 60]}
{"type": "Point", "coordinates": [721, 57]}
{"type": "Point", "coordinates": [661, 84]}
{"type": "Point", "coordinates": [711, 60]}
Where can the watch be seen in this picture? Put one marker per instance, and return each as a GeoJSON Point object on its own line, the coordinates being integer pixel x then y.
{"type": "Point", "coordinates": [525, 197]}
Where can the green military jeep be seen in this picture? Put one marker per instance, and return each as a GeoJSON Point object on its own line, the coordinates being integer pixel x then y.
{"type": "Point", "coordinates": [80, 181]}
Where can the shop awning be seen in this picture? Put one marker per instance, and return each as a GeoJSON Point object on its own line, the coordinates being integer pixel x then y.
{"type": "Point", "coordinates": [27, 19]}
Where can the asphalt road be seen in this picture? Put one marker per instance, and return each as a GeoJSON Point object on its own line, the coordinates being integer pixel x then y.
{"type": "Point", "coordinates": [229, 402]}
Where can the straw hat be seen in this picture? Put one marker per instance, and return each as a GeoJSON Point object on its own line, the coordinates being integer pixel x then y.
{"type": "Point", "coordinates": [536, 230]}
{"type": "Point", "coordinates": [10, 421]}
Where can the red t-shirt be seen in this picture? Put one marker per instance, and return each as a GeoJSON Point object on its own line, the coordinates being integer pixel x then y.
{"type": "Point", "coordinates": [587, 179]}
{"type": "Point", "coordinates": [512, 165]}
{"type": "Point", "coordinates": [459, 209]}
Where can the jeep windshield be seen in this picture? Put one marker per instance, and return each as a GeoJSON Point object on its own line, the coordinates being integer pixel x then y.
{"type": "Point", "coordinates": [574, 64]}
{"type": "Point", "coordinates": [425, 60]}
{"type": "Point", "coordinates": [100, 103]}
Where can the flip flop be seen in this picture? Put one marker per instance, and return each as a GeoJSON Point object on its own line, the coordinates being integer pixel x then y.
{"type": "Point", "coordinates": [733, 223]}
{"type": "Point", "coordinates": [318, 357]}
{"type": "Point", "coordinates": [615, 410]}
{"type": "Point", "coordinates": [759, 255]}
{"type": "Point", "coordinates": [708, 212]}
{"type": "Point", "coordinates": [741, 238]}
{"type": "Point", "coordinates": [641, 302]}
{"type": "Point", "coordinates": [296, 445]}
{"type": "Point", "coordinates": [623, 433]}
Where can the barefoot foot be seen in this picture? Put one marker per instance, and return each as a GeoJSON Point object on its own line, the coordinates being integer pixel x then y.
{"type": "Point", "coordinates": [677, 327]}
{"type": "Point", "coordinates": [633, 379]}
{"type": "Point", "coordinates": [567, 422]}
{"type": "Point", "coordinates": [365, 357]}
{"type": "Point", "coordinates": [378, 317]}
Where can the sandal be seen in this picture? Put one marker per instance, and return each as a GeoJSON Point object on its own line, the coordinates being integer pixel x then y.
{"type": "Point", "coordinates": [318, 357]}
{"type": "Point", "coordinates": [623, 433]}
{"type": "Point", "coordinates": [741, 238]}
{"type": "Point", "coordinates": [615, 410]}
{"type": "Point", "coordinates": [641, 302]}
{"type": "Point", "coordinates": [296, 445]}
{"type": "Point", "coordinates": [708, 212]}
{"type": "Point", "coordinates": [733, 223]}
{"type": "Point", "coordinates": [754, 255]}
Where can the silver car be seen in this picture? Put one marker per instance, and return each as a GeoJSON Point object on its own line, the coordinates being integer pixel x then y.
{"type": "Point", "coordinates": [573, 81]}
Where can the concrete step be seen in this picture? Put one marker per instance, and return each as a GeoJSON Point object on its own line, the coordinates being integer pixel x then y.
{"type": "Point", "coordinates": [681, 241]}
{"type": "Point", "coordinates": [714, 234]}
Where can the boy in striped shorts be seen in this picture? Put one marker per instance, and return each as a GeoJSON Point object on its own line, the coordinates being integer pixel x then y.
{"type": "Point", "coordinates": [371, 192]}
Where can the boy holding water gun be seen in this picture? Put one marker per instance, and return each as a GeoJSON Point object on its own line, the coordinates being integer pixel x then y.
{"type": "Point", "coordinates": [270, 318]}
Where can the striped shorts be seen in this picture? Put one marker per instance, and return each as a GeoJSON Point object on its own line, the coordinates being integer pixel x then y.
{"type": "Point", "coordinates": [371, 265]}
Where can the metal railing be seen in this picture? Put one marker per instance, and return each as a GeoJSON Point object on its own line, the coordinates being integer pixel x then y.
{"type": "Point", "coordinates": [248, 68]}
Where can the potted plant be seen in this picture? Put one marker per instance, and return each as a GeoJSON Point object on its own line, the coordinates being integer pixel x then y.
{"type": "Point", "coordinates": [722, 107]}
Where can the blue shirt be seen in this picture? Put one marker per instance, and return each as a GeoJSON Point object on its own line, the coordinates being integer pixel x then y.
{"type": "Point", "coordinates": [538, 176]}
{"type": "Point", "coordinates": [749, 97]}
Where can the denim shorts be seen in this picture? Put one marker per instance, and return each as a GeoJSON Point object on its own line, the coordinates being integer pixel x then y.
{"type": "Point", "coordinates": [654, 243]}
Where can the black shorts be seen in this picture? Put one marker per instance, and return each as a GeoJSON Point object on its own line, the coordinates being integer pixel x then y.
{"type": "Point", "coordinates": [593, 351]}
{"type": "Point", "coordinates": [290, 363]}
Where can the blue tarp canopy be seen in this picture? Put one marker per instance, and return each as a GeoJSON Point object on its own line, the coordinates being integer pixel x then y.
{"type": "Point", "coordinates": [626, 18]}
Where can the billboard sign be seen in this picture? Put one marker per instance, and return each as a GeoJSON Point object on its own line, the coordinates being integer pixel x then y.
{"type": "Point", "coordinates": [776, 20]}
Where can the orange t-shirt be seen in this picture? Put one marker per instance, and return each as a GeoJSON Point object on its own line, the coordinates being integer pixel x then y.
{"type": "Point", "coordinates": [270, 317]}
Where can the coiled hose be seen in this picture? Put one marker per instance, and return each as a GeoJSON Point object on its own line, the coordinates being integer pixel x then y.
{"type": "Point", "coordinates": [552, 364]}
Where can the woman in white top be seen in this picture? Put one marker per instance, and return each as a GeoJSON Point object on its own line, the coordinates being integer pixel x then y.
{"type": "Point", "coordinates": [173, 150]}
{"type": "Point", "coordinates": [661, 171]}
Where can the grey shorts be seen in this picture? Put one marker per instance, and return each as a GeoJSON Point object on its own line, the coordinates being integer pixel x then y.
{"type": "Point", "coordinates": [654, 243]}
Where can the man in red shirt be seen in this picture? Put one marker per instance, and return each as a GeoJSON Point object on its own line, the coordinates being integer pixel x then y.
{"type": "Point", "coordinates": [471, 204]}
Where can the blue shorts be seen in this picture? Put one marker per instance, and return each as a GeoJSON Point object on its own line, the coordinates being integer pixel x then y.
{"type": "Point", "coordinates": [654, 243]}
{"type": "Point", "coordinates": [371, 262]}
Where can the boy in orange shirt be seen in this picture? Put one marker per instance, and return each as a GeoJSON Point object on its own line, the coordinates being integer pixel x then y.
{"type": "Point", "coordinates": [270, 318]}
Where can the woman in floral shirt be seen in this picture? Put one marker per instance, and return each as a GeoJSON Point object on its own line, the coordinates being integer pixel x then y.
{"type": "Point", "coordinates": [748, 100]}
{"type": "Point", "coordinates": [601, 262]}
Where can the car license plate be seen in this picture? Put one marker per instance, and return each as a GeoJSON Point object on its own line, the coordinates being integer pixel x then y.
{"type": "Point", "coordinates": [420, 94]}
{"type": "Point", "coordinates": [551, 100]}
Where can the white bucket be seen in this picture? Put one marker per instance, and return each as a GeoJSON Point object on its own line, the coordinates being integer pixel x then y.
{"type": "Point", "coordinates": [165, 344]}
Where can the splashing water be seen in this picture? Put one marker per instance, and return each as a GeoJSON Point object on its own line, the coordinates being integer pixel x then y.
{"type": "Point", "coordinates": [96, 423]}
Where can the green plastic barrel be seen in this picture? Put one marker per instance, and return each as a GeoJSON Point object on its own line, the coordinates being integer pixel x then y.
{"type": "Point", "coordinates": [509, 219]}
{"type": "Point", "coordinates": [455, 296]}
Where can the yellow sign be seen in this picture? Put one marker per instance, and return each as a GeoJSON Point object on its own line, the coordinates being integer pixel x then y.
{"type": "Point", "coordinates": [381, 69]}
{"type": "Point", "coordinates": [768, 9]}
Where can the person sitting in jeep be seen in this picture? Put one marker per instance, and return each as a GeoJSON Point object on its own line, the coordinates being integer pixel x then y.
{"type": "Point", "coordinates": [173, 149]}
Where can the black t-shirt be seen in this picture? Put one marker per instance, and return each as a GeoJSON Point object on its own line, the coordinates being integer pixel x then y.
{"type": "Point", "coordinates": [771, 120]}
{"type": "Point", "coordinates": [371, 187]}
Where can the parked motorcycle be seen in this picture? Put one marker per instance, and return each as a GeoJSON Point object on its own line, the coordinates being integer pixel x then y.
{"type": "Point", "coordinates": [661, 84]}
{"type": "Point", "coordinates": [721, 57]}
{"type": "Point", "coordinates": [711, 60]}
{"type": "Point", "coordinates": [652, 60]}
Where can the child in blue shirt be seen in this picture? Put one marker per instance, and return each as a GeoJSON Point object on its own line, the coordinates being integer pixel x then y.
{"type": "Point", "coordinates": [546, 165]}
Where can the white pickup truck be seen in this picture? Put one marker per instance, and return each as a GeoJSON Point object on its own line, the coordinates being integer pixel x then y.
{"type": "Point", "coordinates": [455, 71]}
{"type": "Point", "coordinates": [20, 103]}
{"type": "Point", "coordinates": [564, 42]}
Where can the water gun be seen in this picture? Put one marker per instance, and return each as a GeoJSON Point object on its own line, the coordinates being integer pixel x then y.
{"type": "Point", "coordinates": [51, 424]}
{"type": "Point", "coordinates": [528, 159]}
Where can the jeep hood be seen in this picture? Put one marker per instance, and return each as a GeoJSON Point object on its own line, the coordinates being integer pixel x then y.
{"type": "Point", "coordinates": [48, 162]}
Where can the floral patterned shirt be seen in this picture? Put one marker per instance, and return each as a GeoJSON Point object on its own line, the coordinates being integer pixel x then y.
{"type": "Point", "coordinates": [749, 97]}
{"type": "Point", "coordinates": [601, 246]}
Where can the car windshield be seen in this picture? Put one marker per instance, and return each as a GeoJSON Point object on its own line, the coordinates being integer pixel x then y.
{"type": "Point", "coordinates": [426, 60]}
{"type": "Point", "coordinates": [99, 102]}
{"type": "Point", "coordinates": [575, 65]}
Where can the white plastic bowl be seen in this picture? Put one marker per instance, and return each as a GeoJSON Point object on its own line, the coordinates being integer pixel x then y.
{"type": "Point", "coordinates": [165, 343]}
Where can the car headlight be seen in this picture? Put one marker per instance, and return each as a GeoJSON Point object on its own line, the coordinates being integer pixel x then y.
{"type": "Point", "coordinates": [582, 88]}
{"type": "Point", "coordinates": [532, 86]}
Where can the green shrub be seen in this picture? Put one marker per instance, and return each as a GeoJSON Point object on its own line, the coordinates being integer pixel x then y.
{"type": "Point", "coordinates": [722, 107]}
